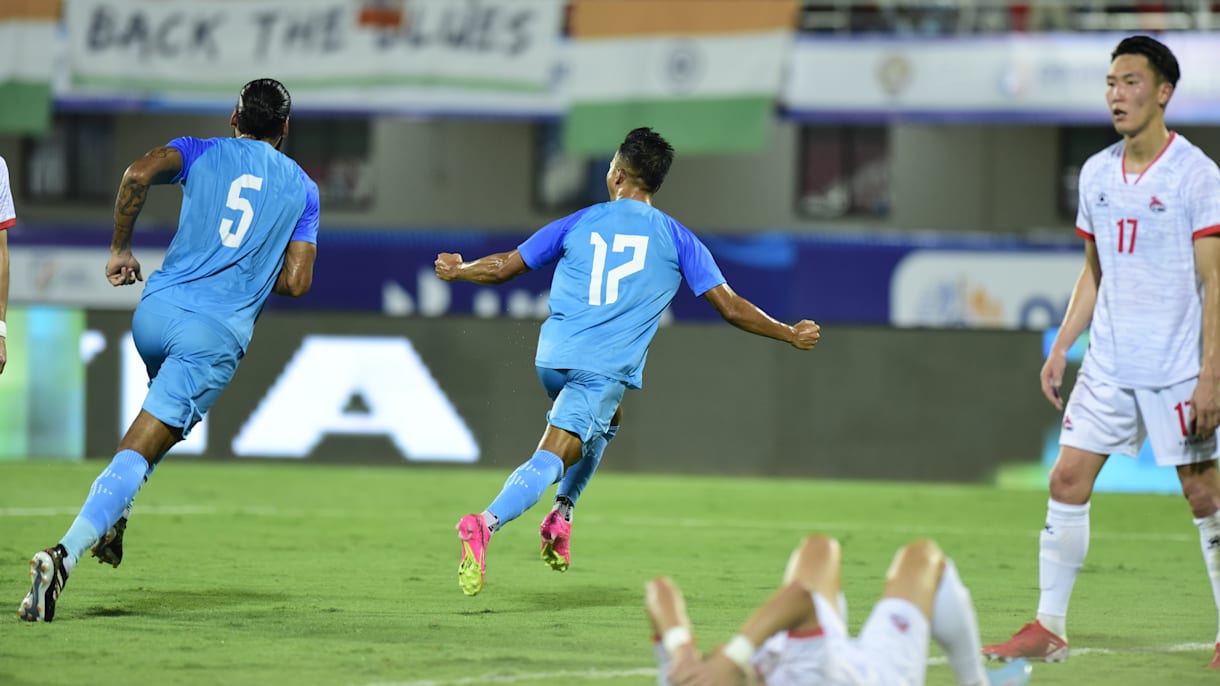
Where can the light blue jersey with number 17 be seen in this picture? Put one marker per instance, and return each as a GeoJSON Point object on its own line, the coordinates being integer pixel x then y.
{"type": "Point", "coordinates": [619, 267]}
{"type": "Point", "coordinates": [242, 202]}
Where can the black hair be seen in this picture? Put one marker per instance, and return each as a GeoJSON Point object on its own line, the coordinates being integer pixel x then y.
{"type": "Point", "coordinates": [1162, 60]}
{"type": "Point", "coordinates": [648, 156]}
{"type": "Point", "coordinates": [263, 105]}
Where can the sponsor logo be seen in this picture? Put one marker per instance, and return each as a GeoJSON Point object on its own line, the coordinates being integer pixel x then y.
{"type": "Point", "coordinates": [1156, 205]}
{"type": "Point", "coordinates": [1067, 423]}
{"type": "Point", "coordinates": [1102, 200]}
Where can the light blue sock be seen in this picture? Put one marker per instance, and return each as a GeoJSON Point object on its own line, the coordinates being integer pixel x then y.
{"type": "Point", "coordinates": [578, 476]}
{"type": "Point", "coordinates": [112, 492]}
{"type": "Point", "coordinates": [526, 485]}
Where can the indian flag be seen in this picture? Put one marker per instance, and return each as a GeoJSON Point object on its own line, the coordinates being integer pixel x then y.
{"type": "Point", "coordinates": [704, 73]}
{"type": "Point", "coordinates": [27, 55]}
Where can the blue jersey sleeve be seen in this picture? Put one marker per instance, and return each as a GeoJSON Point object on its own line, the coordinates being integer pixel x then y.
{"type": "Point", "coordinates": [190, 149]}
{"type": "Point", "coordinates": [696, 261]}
{"type": "Point", "coordinates": [307, 226]}
{"type": "Point", "coordinates": [546, 245]}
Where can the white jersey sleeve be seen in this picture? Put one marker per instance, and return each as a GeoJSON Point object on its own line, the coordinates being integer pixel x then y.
{"type": "Point", "coordinates": [8, 216]}
{"type": "Point", "coordinates": [1202, 192]}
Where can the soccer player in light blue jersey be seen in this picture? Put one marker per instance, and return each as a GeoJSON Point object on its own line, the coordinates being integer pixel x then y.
{"type": "Point", "coordinates": [248, 227]}
{"type": "Point", "coordinates": [619, 264]}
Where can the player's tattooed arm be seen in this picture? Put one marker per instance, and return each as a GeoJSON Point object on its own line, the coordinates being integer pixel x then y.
{"type": "Point", "coordinates": [157, 166]}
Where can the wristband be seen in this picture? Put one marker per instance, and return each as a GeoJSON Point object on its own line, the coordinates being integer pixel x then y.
{"type": "Point", "coordinates": [740, 650]}
{"type": "Point", "coordinates": [675, 638]}
{"type": "Point", "coordinates": [3, 329]}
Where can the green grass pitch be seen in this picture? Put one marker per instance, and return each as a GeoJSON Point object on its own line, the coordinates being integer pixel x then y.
{"type": "Point", "coordinates": [307, 574]}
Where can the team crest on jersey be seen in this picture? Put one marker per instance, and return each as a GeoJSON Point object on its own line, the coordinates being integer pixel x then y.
{"type": "Point", "coordinates": [900, 623]}
{"type": "Point", "coordinates": [1156, 205]}
{"type": "Point", "coordinates": [1102, 200]}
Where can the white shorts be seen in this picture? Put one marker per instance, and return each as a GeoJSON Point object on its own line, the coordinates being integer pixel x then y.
{"type": "Point", "coordinates": [1108, 420]}
{"type": "Point", "coordinates": [892, 650]}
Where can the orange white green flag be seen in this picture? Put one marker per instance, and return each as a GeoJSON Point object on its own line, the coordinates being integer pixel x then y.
{"type": "Point", "coordinates": [704, 73]}
{"type": "Point", "coordinates": [27, 57]}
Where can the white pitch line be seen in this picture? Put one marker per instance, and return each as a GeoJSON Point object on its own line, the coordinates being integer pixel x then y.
{"type": "Point", "coordinates": [651, 671]}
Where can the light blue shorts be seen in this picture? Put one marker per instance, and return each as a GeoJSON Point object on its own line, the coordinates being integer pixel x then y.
{"type": "Point", "coordinates": [585, 402]}
{"type": "Point", "coordinates": [190, 359]}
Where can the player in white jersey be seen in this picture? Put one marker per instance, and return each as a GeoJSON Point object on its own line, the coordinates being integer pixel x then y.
{"type": "Point", "coordinates": [8, 218]}
{"type": "Point", "coordinates": [1150, 216]}
{"type": "Point", "coordinates": [801, 632]}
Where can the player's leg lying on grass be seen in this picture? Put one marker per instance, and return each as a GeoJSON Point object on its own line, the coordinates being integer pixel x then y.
{"type": "Point", "coordinates": [802, 634]}
{"type": "Point", "coordinates": [673, 636]}
{"type": "Point", "coordinates": [812, 570]}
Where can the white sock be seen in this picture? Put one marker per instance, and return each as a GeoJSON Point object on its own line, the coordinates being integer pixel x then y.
{"type": "Point", "coordinates": [1209, 540]}
{"type": "Point", "coordinates": [1062, 547]}
{"type": "Point", "coordinates": [955, 628]}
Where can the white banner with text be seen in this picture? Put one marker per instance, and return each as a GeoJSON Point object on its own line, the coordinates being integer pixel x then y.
{"type": "Point", "coordinates": [497, 54]}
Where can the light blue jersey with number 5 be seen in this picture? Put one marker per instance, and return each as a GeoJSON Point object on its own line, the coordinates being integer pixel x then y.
{"type": "Point", "coordinates": [242, 202]}
{"type": "Point", "coordinates": [620, 264]}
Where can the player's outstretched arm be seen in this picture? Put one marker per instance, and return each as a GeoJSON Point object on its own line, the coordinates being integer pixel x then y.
{"type": "Point", "coordinates": [492, 269]}
{"type": "Point", "coordinates": [296, 276]}
{"type": "Point", "coordinates": [1075, 320]}
{"type": "Point", "coordinates": [747, 316]}
{"type": "Point", "coordinates": [157, 166]}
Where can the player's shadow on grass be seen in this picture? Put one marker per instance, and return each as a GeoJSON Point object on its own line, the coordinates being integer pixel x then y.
{"type": "Point", "coordinates": [581, 596]}
{"type": "Point", "coordinates": [146, 602]}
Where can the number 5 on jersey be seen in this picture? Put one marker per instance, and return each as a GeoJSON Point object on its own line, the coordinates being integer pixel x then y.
{"type": "Point", "coordinates": [639, 249]}
{"type": "Point", "coordinates": [229, 237]}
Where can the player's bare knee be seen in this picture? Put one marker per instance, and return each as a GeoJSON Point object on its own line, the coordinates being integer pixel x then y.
{"type": "Point", "coordinates": [819, 546]}
{"type": "Point", "coordinates": [816, 551]}
{"type": "Point", "coordinates": [815, 565]}
{"type": "Point", "coordinates": [1203, 496]}
{"type": "Point", "coordinates": [917, 557]}
{"type": "Point", "coordinates": [1068, 486]}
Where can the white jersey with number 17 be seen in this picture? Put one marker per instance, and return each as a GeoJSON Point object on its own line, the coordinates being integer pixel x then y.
{"type": "Point", "coordinates": [1147, 322]}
